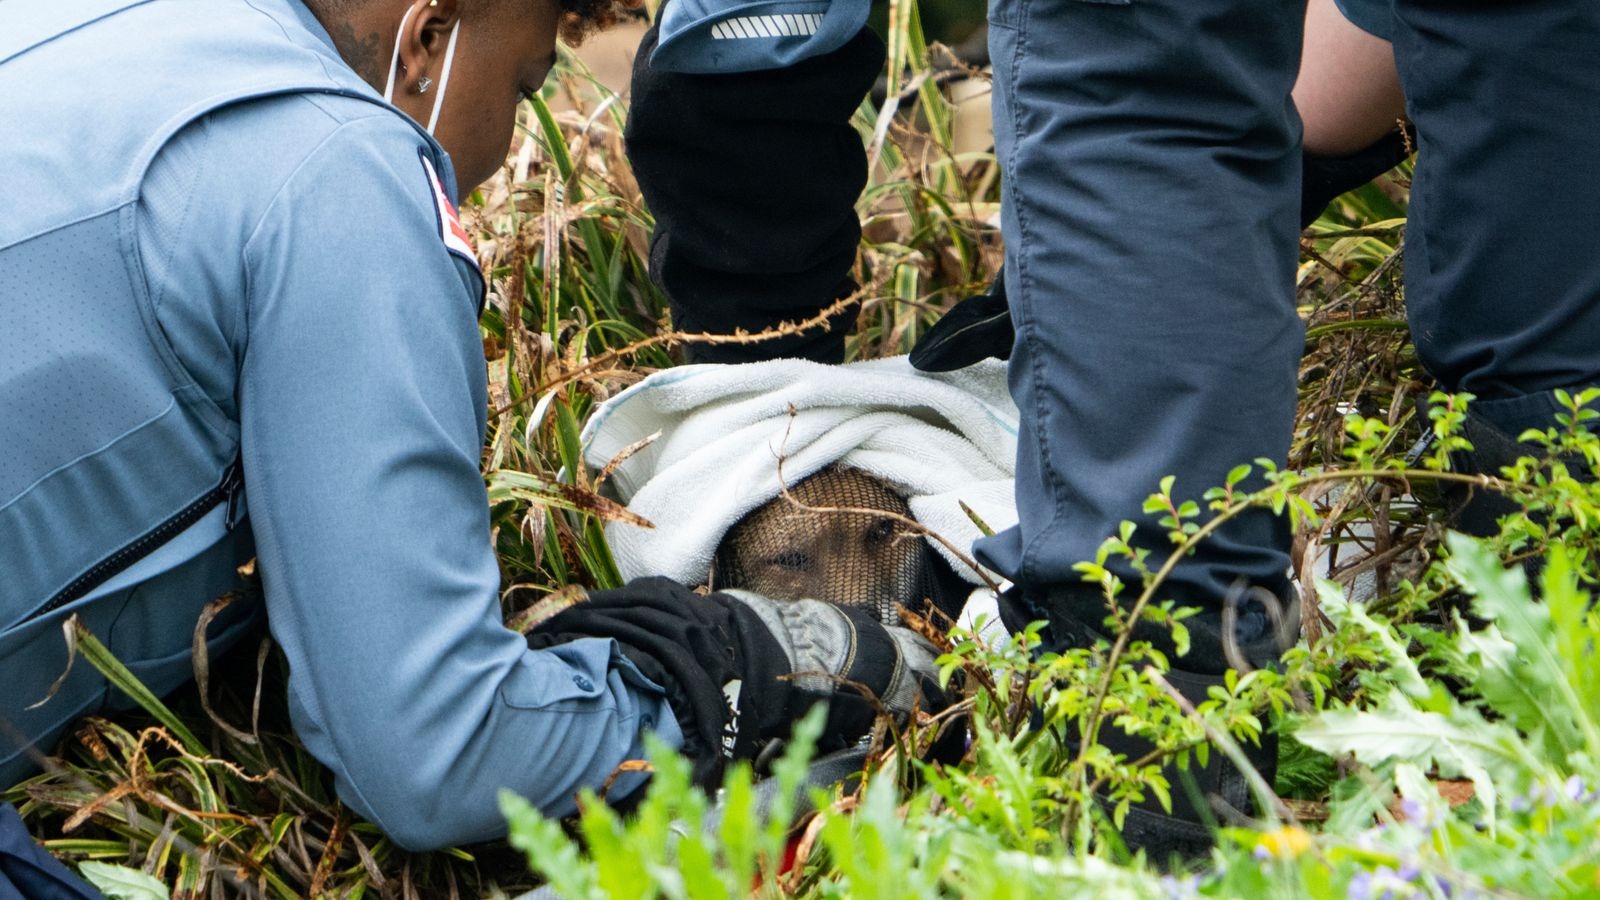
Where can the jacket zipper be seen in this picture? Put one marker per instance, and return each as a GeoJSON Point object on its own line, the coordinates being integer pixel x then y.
{"type": "Point", "coordinates": [226, 490]}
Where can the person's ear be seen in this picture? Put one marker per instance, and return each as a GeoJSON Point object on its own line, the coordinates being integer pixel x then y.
{"type": "Point", "coordinates": [422, 43]}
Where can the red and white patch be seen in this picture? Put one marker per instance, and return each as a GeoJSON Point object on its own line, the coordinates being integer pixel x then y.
{"type": "Point", "coordinates": [450, 230]}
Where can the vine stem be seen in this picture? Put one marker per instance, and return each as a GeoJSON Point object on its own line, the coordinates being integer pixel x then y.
{"type": "Point", "coordinates": [1091, 731]}
{"type": "Point", "coordinates": [1355, 325]}
{"type": "Point", "coordinates": [1266, 798]}
{"type": "Point", "coordinates": [673, 338]}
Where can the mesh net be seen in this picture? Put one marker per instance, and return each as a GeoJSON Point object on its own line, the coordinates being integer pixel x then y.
{"type": "Point", "coordinates": [837, 540]}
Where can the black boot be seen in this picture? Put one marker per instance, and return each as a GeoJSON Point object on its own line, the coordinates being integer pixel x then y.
{"type": "Point", "coordinates": [1475, 510]}
{"type": "Point", "coordinates": [753, 178]}
{"type": "Point", "coordinates": [1470, 509]}
{"type": "Point", "coordinates": [1197, 792]}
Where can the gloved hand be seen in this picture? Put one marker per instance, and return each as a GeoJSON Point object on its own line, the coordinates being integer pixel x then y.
{"type": "Point", "coordinates": [1324, 178]}
{"type": "Point", "coordinates": [739, 669]}
{"type": "Point", "coordinates": [974, 329]}
{"type": "Point", "coordinates": [980, 327]}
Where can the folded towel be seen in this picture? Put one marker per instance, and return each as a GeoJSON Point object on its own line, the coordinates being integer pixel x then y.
{"type": "Point", "coordinates": [940, 439]}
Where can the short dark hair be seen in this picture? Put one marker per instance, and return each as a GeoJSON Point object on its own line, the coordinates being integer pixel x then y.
{"type": "Point", "coordinates": [581, 18]}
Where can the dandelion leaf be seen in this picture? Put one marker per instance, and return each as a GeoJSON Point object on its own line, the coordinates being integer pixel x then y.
{"type": "Point", "coordinates": [1461, 744]}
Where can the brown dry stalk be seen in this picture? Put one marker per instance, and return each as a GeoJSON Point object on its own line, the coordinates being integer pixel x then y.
{"type": "Point", "coordinates": [93, 807]}
{"type": "Point", "coordinates": [546, 607]}
{"type": "Point", "coordinates": [622, 456]}
{"type": "Point", "coordinates": [602, 507]}
{"type": "Point", "coordinates": [136, 787]}
{"type": "Point", "coordinates": [627, 765]}
{"type": "Point", "coordinates": [330, 852]}
{"type": "Point", "coordinates": [583, 371]}
{"type": "Point", "coordinates": [202, 665]}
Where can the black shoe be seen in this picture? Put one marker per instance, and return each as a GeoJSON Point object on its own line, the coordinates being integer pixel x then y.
{"type": "Point", "coordinates": [1201, 795]}
{"type": "Point", "coordinates": [1468, 508]}
{"type": "Point", "coordinates": [1199, 791]}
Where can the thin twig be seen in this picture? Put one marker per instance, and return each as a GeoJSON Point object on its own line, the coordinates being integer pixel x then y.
{"type": "Point", "coordinates": [1090, 731]}
{"type": "Point", "coordinates": [675, 338]}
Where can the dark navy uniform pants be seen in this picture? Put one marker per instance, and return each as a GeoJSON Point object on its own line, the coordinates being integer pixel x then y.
{"type": "Point", "coordinates": [1151, 160]}
{"type": "Point", "coordinates": [27, 871]}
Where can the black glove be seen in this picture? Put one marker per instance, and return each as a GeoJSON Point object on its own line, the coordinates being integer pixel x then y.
{"type": "Point", "coordinates": [753, 179]}
{"type": "Point", "coordinates": [1324, 178]}
{"type": "Point", "coordinates": [980, 327]}
{"type": "Point", "coordinates": [726, 661]}
{"type": "Point", "coordinates": [975, 329]}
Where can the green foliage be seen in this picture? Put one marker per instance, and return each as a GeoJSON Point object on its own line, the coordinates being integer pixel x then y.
{"type": "Point", "coordinates": [1519, 727]}
{"type": "Point", "coordinates": [1469, 749]}
{"type": "Point", "coordinates": [670, 846]}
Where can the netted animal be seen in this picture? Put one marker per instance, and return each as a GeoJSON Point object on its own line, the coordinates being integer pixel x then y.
{"type": "Point", "coordinates": [841, 536]}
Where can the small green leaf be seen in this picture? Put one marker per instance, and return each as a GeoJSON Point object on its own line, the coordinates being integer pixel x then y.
{"type": "Point", "coordinates": [122, 883]}
{"type": "Point", "coordinates": [1402, 670]}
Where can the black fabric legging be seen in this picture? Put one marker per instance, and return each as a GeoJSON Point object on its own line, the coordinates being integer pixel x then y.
{"type": "Point", "coordinates": [753, 178]}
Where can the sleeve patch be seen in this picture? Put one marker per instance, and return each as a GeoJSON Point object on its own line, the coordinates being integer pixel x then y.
{"type": "Point", "coordinates": [450, 231]}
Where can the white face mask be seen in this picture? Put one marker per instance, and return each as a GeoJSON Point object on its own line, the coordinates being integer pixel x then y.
{"type": "Point", "coordinates": [444, 75]}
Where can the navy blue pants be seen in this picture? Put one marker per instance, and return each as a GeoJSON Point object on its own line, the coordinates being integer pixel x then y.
{"type": "Point", "coordinates": [27, 871]}
{"type": "Point", "coordinates": [1150, 154]}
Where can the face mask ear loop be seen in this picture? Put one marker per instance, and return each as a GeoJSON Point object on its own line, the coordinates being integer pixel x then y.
{"type": "Point", "coordinates": [394, 58]}
{"type": "Point", "coordinates": [444, 76]}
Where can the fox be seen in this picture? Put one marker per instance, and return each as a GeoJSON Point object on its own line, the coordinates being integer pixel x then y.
{"type": "Point", "coordinates": [842, 536]}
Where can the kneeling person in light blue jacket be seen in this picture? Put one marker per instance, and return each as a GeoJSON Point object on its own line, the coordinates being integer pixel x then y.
{"type": "Point", "coordinates": [238, 317]}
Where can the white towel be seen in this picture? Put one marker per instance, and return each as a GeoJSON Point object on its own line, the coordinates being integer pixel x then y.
{"type": "Point", "coordinates": [941, 439]}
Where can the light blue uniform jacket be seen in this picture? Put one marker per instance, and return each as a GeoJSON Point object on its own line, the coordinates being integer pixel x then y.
{"type": "Point", "coordinates": [218, 245]}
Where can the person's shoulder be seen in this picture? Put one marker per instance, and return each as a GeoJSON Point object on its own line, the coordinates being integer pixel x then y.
{"type": "Point", "coordinates": [267, 139]}
{"type": "Point", "coordinates": [240, 161]}
{"type": "Point", "coordinates": [256, 168]}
